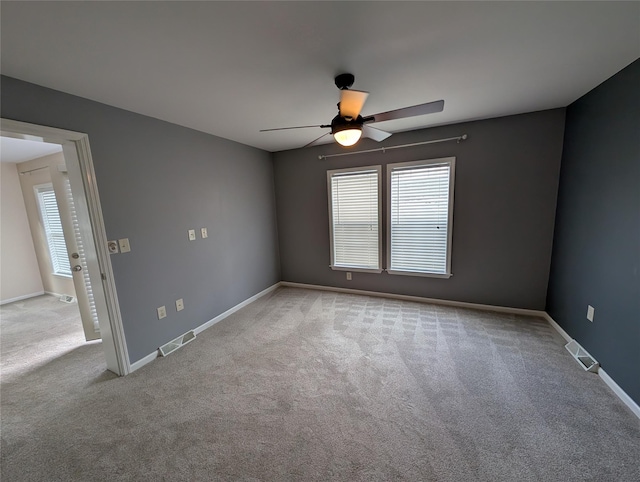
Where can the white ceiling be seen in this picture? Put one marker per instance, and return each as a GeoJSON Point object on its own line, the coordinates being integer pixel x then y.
{"type": "Point", "coordinates": [20, 150]}
{"type": "Point", "coordinates": [233, 68]}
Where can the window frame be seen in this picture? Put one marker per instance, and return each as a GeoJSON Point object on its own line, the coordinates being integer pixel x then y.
{"type": "Point", "coordinates": [54, 260]}
{"type": "Point", "coordinates": [330, 174]}
{"type": "Point", "coordinates": [421, 163]}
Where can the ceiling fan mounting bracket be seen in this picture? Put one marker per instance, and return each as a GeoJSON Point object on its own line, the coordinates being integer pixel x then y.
{"type": "Point", "coordinates": [344, 81]}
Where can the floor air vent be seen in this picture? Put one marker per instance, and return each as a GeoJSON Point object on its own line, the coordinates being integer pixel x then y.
{"type": "Point", "coordinates": [67, 299]}
{"type": "Point", "coordinates": [585, 360]}
{"type": "Point", "coordinates": [179, 342]}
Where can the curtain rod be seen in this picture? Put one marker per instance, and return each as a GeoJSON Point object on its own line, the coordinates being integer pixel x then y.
{"type": "Point", "coordinates": [384, 149]}
{"type": "Point", "coordinates": [32, 170]}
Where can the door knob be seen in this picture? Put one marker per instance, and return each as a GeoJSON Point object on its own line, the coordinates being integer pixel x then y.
{"type": "Point", "coordinates": [77, 267]}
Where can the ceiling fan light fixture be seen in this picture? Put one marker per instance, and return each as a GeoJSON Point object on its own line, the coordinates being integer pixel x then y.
{"type": "Point", "coordinates": [348, 136]}
{"type": "Point", "coordinates": [349, 125]}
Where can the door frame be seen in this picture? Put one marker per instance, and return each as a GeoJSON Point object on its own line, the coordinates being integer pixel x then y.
{"type": "Point", "coordinates": [77, 154]}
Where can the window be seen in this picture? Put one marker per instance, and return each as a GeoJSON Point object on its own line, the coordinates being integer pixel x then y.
{"type": "Point", "coordinates": [354, 218]}
{"type": "Point", "coordinates": [53, 229]}
{"type": "Point", "coordinates": [420, 217]}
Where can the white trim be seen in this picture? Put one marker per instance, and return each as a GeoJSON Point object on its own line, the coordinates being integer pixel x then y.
{"type": "Point", "coordinates": [143, 361]}
{"type": "Point", "coordinates": [23, 297]}
{"type": "Point", "coordinates": [79, 162]}
{"type": "Point", "coordinates": [419, 299]}
{"type": "Point", "coordinates": [232, 310]}
{"type": "Point", "coordinates": [104, 258]}
{"type": "Point", "coordinates": [622, 395]}
{"type": "Point", "coordinates": [152, 356]}
{"type": "Point", "coordinates": [355, 270]}
{"type": "Point", "coordinates": [557, 327]}
{"type": "Point", "coordinates": [417, 273]}
{"type": "Point", "coordinates": [626, 399]}
{"type": "Point", "coordinates": [57, 295]}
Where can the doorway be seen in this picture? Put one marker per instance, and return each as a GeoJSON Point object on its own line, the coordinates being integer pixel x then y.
{"type": "Point", "coordinates": [54, 226]}
{"type": "Point", "coordinates": [84, 238]}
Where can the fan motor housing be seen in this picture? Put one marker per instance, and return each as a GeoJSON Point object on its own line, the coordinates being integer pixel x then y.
{"type": "Point", "coordinates": [340, 123]}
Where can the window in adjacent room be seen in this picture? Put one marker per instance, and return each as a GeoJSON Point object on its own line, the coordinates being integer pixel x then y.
{"type": "Point", "coordinates": [354, 218]}
{"type": "Point", "coordinates": [53, 229]}
{"type": "Point", "coordinates": [420, 217]}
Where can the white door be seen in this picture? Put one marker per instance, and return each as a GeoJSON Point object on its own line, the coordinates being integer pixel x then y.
{"type": "Point", "coordinates": [57, 228]}
{"type": "Point", "coordinates": [77, 255]}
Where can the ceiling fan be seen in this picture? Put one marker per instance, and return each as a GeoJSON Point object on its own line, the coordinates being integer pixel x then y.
{"type": "Point", "coordinates": [348, 126]}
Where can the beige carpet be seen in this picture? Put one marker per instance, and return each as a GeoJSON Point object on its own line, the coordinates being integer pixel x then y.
{"type": "Point", "coordinates": [309, 385]}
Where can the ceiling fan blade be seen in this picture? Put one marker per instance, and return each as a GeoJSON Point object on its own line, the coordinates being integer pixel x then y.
{"type": "Point", "coordinates": [351, 102]}
{"type": "Point", "coordinates": [375, 134]}
{"type": "Point", "coordinates": [315, 141]}
{"type": "Point", "coordinates": [285, 128]}
{"type": "Point", "coordinates": [421, 109]}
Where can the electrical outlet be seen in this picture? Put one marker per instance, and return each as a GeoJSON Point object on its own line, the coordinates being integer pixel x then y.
{"type": "Point", "coordinates": [125, 247]}
{"type": "Point", "coordinates": [203, 232]}
{"type": "Point", "coordinates": [192, 235]}
{"type": "Point", "coordinates": [591, 311]}
{"type": "Point", "coordinates": [162, 312]}
{"type": "Point", "coordinates": [179, 304]}
{"type": "Point", "coordinates": [113, 247]}
{"type": "Point", "coordinates": [348, 275]}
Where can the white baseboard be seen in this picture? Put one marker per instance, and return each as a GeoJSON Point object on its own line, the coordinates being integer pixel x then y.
{"type": "Point", "coordinates": [557, 327]}
{"type": "Point", "coordinates": [152, 356]}
{"type": "Point", "coordinates": [230, 311]}
{"type": "Point", "coordinates": [622, 395]}
{"type": "Point", "coordinates": [420, 299]}
{"type": "Point", "coordinates": [57, 295]}
{"type": "Point", "coordinates": [626, 399]}
{"type": "Point", "coordinates": [23, 297]}
{"type": "Point", "coordinates": [143, 361]}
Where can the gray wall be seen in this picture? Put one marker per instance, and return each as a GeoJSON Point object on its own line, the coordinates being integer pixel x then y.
{"type": "Point", "coordinates": [596, 249]}
{"type": "Point", "coordinates": [505, 199]}
{"type": "Point", "coordinates": [156, 181]}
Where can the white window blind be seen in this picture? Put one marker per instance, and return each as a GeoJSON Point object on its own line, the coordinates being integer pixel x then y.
{"type": "Point", "coordinates": [354, 217]}
{"type": "Point", "coordinates": [82, 259]}
{"type": "Point", "coordinates": [420, 217]}
{"type": "Point", "coordinates": [53, 229]}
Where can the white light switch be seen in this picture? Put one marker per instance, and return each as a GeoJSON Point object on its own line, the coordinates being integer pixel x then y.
{"type": "Point", "coordinates": [590, 312]}
{"type": "Point", "coordinates": [124, 245]}
{"type": "Point", "coordinates": [203, 231]}
{"type": "Point", "coordinates": [179, 304]}
{"type": "Point", "coordinates": [192, 235]}
{"type": "Point", "coordinates": [348, 275]}
{"type": "Point", "coordinates": [162, 312]}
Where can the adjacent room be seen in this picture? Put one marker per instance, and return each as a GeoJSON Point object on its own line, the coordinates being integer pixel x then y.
{"type": "Point", "coordinates": [320, 241]}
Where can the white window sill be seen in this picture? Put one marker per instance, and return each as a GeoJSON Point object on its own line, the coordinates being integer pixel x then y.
{"type": "Point", "coordinates": [417, 273]}
{"type": "Point", "coordinates": [60, 275]}
{"type": "Point", "coordinates": [355, 270]}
